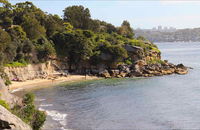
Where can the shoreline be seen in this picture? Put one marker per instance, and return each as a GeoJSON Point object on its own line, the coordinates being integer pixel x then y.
{"type": "Point", "coordinates": [42, 83]}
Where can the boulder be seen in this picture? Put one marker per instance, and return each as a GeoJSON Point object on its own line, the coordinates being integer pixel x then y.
{"type": "Point", "coordinates": [114, 73]}
{"type": "Point", "coordinates": [181, 69]}
{"type": "Point", "coordinates": [134, 49]}
{"type": "Point", "coordinates": [123, 74]}
{"type": "Point", "coordinates": [105, 74]}
{"type": "Point", "coordinates": [10, 121]}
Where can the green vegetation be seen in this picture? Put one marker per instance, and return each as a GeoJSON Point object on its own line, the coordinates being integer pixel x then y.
{"type": "Point", "coordinates": [29, 35]}
{"type": "Point", "coordinates": [4, 104]}
{"type": "Point", "coordinates": [29, 114]}
{"type": "Point", "coordinates": [16, 64]}
{"type": "Point", "coordinates": [155, 61]}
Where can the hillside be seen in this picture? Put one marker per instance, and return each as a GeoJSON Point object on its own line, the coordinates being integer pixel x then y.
{"type": "Point", "coordinates": [31, 36]}
{"type": "Point", "coordinates": [179, 35]}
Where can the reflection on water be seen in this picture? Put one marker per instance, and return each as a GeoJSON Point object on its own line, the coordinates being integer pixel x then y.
{"type": "Point", "coordinates": [167, 102]}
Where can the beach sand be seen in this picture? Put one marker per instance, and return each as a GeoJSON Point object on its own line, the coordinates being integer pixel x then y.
{"type": "Point", "coordinates": [41, 83]}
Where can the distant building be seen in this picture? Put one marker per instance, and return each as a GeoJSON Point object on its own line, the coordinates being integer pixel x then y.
{"type": "Point", "coordinates": [165, 28]}
{"type": "Point", "coordinates": [159, 28]}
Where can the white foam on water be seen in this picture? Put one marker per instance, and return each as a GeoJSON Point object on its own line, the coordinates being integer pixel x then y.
{"type": "Point", "coordinates": [37, 99]}
{"type": "Point", "coordinates": [62, 128]}
{"type": "Point", "coordinates": [46, 105]}
{"type": "Point", "coordinates": [57, 116]}
{"type": "Point", "coordinates": [179, 49]}
{"type": "Point", "coordinates": [17, 90]}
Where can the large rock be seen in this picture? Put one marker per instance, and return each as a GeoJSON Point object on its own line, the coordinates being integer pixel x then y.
{"type": "Point", "coordinates": [114, 73]}
{"type": "Point", "coordinates": [105, 74]}
{"type": "Point", "coordinates": [10, 121]}
{"type": "Point", "coordinates": [6, 96]}
{"type": "Point", "coordinates": [181, 69]}
{"type": "Point", "coordinates": [134, 49]}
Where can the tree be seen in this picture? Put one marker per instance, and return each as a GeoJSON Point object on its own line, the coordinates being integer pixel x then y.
{"type": "Point", "coordinates": [32, 27]}
{"type": "Point", "coordinates": [53, 24]}
{"type": "Point", "coordinates": [5, 39]}
{"type": "Point", "coordinates": [5, 14]}
{"type": "Point", "coordinates": [45, 49]}
{"type": "Point", "coordinates": [126, 30]}
{"type": "Point", "coordinates": [77, 16]}
{"type": "Point", "coordinates": [17, 33]}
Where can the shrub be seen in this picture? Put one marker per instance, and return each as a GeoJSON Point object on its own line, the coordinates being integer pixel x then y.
{"type": "Point", "coordinates": [29, 114]}
{"type": "Point", "coordinates": [128, 61]}
{"type": "Point", "coordinates": [39, 119]}
{"type": "Point", "coordinates": [28, 98]}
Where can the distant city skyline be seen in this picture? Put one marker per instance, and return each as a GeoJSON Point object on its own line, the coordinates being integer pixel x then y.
{"type": "Point", "coordinates": [159, 28]}
{"type": "Point", "coordinates": [140, 14]}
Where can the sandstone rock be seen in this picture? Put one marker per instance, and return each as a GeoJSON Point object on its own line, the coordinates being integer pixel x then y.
{"type": "Point", "coordinates": [114, 73]}
{"type": "Point", "coordinates": [105, 74]}
{"type": "Point", "coordinates": [31, 71]}
{"type": "Point", "coordinates": [10, 121]}
{"type": "Point", "coordinates": [131, 48]}
{"type": "Point", "coordinates": [124, 68]}
{"type": "Point", "coordinates": [123, 74]}
{"type": "Point", "coordinates": [181, 69]}
{"type": "Point", "coordinates": [9, 98]}
{"type": "Point", "coordinates": [135, 74]}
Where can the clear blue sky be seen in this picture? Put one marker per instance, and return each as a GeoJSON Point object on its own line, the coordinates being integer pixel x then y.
{"type": "Point", "coordinates": [142, 14]}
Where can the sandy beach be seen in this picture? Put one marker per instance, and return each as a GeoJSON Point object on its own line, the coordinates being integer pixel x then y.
{"type": "Point", "coordinates": [41, 83]}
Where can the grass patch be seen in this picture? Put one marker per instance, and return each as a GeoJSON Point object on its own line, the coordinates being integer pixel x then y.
{"type": "Point", "coordinates": [155, 49]}
{"type": "Point", "coordinates": [155, 61]}
{"type": "Point", "coordinates": [16, 64]}
{"type": "Point", "coordinates": [4, 104]}
{"type": "Point", "coordinates": [142, 44]}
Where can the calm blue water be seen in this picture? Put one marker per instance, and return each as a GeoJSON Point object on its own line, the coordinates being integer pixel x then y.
{"type": "Point", "coordinates": [167, 102]}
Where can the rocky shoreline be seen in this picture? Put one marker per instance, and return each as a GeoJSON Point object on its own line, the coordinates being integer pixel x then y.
{"type": "Point", "coordinates": [138, 69]}
{"type": "Point", "coordinates": [141, 69]}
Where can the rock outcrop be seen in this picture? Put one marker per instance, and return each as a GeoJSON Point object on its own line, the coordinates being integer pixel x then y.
{"type": "Point", "coordinates": [10, 121]}
{"type": "Point", "coordinates": [6, 96]}
{"type": "Point", "coordinates": [141, 69]}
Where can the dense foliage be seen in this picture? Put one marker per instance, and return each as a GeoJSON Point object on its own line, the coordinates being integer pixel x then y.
{"type": "Point", "coordinates": [29, 35]}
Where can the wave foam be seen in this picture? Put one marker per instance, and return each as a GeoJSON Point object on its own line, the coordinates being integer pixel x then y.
{"type": "Point", "coordinates": [37, 99]}
{"type": "Point", "coordinates": [57, 116]}
{"type": "Point", "coordinates": [16, 90]}
{"type": "Point", "coordinates": [46, 105]}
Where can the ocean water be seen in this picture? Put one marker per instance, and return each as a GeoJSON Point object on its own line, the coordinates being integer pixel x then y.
{"type": "Point", "coordinates": [166, 102]}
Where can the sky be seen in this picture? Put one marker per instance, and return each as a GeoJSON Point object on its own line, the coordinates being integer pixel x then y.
{"type": "Point", "coordinates": [141, 14]}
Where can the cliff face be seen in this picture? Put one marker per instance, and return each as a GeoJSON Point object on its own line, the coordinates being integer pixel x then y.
{"type": "Point", "coordinates": [10, 121]}
{"type": "Point", "coordinates": [32, 71]}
